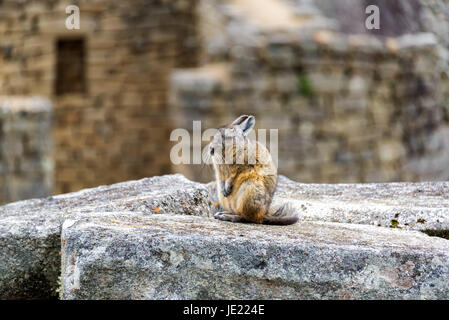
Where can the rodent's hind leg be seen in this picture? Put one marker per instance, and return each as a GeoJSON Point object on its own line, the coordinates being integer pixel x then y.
{"type": "Point", "coordinates": [227, 216]}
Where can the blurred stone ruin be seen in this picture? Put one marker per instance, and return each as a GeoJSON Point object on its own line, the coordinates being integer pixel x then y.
{"type": "Point", "coordinates": [351, 105]}
{"type": "Point", "coordinates": [25, 148]}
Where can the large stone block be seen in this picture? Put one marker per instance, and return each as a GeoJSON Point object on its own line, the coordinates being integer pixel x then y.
{"type": "Point", "coordinates": [124, 241]}
{"type": "Point", "coordinates": [30, 230]}
{"type": "Point", "coordinates": [125, 256]}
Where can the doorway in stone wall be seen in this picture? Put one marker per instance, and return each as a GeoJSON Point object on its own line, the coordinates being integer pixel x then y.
{"type": "Point", "coordinates": [70, 66]}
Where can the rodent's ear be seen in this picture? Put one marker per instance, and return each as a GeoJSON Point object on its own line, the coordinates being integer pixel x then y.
{"type": "Point", "coordinates": [248, 124]}
{"type": "Point", "coordinates": [239, 120]}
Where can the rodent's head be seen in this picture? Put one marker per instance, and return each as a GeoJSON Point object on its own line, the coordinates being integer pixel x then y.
{"type": "Point", "coordinates": [231, 140]}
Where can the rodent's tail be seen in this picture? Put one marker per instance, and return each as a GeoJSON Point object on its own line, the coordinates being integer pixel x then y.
{"type": "Point", "coordinates": [283, 215]}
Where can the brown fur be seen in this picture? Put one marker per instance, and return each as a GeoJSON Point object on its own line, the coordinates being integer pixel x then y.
{"type": "Point", "coordinates": [246, 190]}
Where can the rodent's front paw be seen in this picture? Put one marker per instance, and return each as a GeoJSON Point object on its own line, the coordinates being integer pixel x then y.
{"type": "Point", "coordinates": [226, 191]}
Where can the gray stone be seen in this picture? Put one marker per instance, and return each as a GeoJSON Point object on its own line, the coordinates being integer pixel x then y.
{"type": "Point", "coordinates": [415, 206]}
{"type": "Point", "coordinates": [30, 230]}
{"type": "Point", "coordinates": [123, 241]}
{"type": "Point", "coordinates": [29, 251]}
{"type": "Point", "coordinates": [128, 256]}
{"type": "Point", "coordinates": [25, 148]}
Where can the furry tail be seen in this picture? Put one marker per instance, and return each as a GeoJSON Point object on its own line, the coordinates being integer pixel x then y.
{"type": "Point", "coordinates": [283, 215]}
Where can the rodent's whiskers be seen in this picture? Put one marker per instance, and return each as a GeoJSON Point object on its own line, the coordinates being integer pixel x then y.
{"type": "Point", "coordinates": [206, 162]}
{"type": "Point", "coordinates": [206, 156]}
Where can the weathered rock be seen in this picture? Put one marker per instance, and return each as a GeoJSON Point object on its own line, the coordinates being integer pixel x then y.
{"type": "Point", "coordinates": [29, 253]}
{"type": "Point", "coordinates": [414, 206]}
{"type": "Point", "coordinates": [30, 230]}
{"type": "Point", "coordinates": [120, 241]}
{"type": "Point", "coordinates": [128, 256]}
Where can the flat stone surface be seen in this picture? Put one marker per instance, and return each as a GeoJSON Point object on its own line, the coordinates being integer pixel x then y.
{"type": "Point", "coordinates": [414, 206]}
{"type": "Point", "coordinates": [132, 222]}
{"type": "Point", "coordinates": [124, 255]}
{"type": "Point", "coordinates": [30, 229]}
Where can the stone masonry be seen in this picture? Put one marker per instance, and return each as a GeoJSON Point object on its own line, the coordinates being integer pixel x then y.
{"type": "Point", "coordinates": [108, 80]}
{"type": "Point", "coordinates": [26, 159]}
{"type": "Point", "coordinates": [348, 107]}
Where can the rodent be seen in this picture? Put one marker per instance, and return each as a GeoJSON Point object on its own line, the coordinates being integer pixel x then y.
{"type": "Point", "coordinates": [247, 181]}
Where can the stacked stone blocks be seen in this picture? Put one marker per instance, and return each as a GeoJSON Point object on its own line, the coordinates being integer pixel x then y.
{"type": "Point", "coordinates": [26, 159]}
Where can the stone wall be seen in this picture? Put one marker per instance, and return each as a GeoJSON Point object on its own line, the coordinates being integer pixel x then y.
{"type": "Point", "coordinates": [348, 107]}
{"type": "Point", "coordinates": [113, 126]}
{"type": "Point", "coordinates": [26, 162]}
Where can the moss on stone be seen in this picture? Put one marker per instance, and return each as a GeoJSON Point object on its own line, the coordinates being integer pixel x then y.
{"type": "Point", "coordinates": [394, 224]}
{"type": "Point", "coordinates": [437, 233]}
{"type": "Point", "coordinates": [305, 86]}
